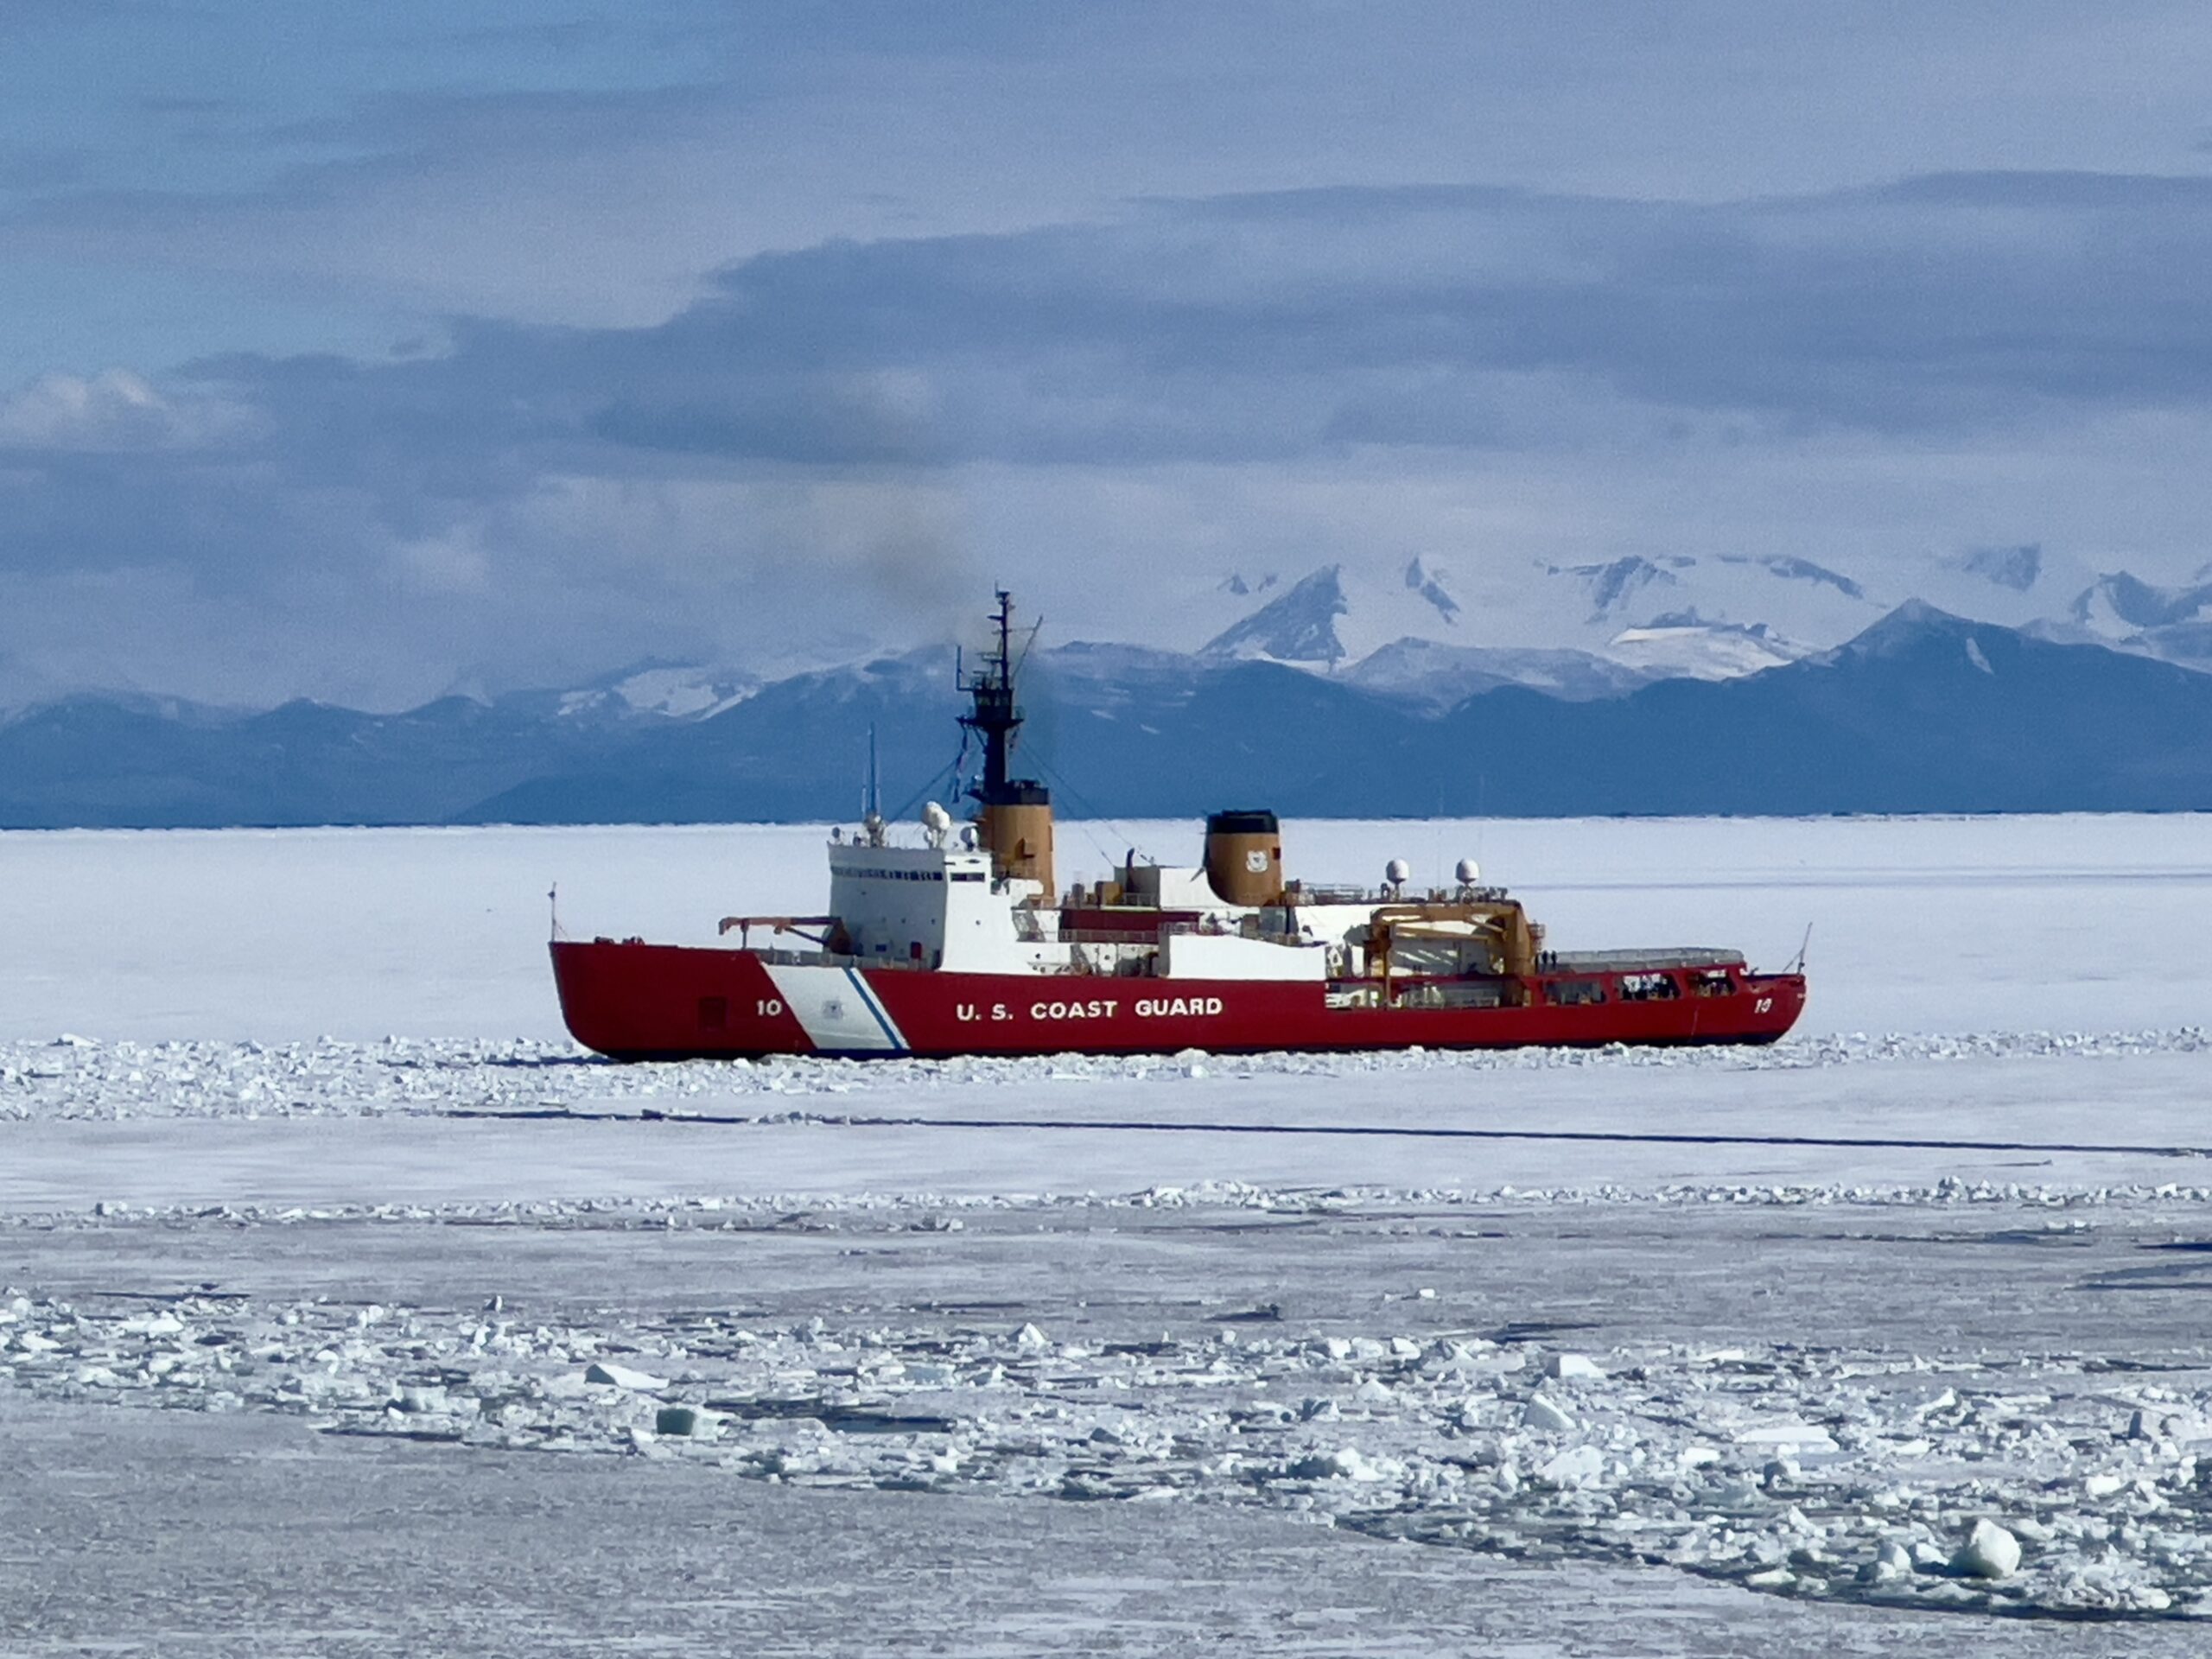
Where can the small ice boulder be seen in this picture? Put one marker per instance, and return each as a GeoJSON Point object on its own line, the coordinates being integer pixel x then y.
{"type": "Point", "coordinates": [1805, 1436]}
{"type": "Point", "coordinates": [1372, 1393]}
{"type": "Point", "coordinates": [1891, 1562]}
{"type": "Point", "coordinates": [1989, 1552]}
{"type": "Point", "coordinates": [682, 1422]}
{"type": "Point", "coordinates": [621, 1376]}
{"type": "Point", "coordinates": [1346, 1462]}
{"type": "Point", "coordinates": [1571, 1367]}
{"type": "Point", "coordinates": [1542, 1414]}
{"type": "Point", "coordinates": [1031, 1338]}
{"type": "Point", "coordinates": [1579, 1466]}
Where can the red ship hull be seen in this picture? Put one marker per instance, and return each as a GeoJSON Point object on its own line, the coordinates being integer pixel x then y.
{"type": "Point", "coordinates": [634, 1001]}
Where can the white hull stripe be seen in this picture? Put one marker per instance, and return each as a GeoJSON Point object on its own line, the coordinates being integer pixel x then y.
{"type": "Point", "coordinates": [835, 1008]}
{"type": "Point", "coordinates": [875, 1006]}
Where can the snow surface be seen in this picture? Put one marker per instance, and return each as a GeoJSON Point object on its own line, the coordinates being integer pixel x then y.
{"type": "Point", "coordinates": [287, 1135]}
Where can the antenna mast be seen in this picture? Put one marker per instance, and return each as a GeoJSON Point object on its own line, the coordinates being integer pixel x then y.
{"type": "Point", "coordinates": [995, 717]}
{"type": "Point", "coordinates": [1016, 813]}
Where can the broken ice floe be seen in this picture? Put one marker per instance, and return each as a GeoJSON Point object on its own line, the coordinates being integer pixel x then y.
{"type": "Point", "coordinates": [77, 1077]}
{"type": "Point", "coordinates": [2059, 1207]}
{"type": "Point", "coordinates": [2028, 1486]}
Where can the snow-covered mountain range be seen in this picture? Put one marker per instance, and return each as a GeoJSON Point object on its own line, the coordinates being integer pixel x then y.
{"type": "Point", "coordinates": [1378, 687]}
{"type": "Point", "coordinates": [1922, 711]}
{"type": "Point", "coordinates": [1595, 630]}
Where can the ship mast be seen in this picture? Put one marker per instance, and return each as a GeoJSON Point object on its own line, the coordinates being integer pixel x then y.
{"type": "Point", "coordinates": [1016, 819]}
{"type": "Point", "coordinates": [995, 716]}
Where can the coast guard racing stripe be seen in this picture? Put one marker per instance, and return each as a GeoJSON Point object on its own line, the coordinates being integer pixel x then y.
{"type": "Point", "coordinates": [839, 1014]}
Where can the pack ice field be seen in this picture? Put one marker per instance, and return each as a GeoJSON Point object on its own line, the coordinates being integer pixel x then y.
{"type": "Point", "coordinates": [1902, 1313]}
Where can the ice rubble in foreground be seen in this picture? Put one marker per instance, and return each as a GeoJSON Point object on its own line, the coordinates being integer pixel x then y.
{"type": "Point", "coordinates": [79, 1077]}
{"type": "Point", "coordinates": [2050, 1486]}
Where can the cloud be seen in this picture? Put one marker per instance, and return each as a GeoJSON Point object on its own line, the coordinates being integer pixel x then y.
{"type": "Point", "coordinates": [114, 412]}
{"type": "Point", "coordinates": [839, 444]}
{"type": "Point", "coordinates": [1266, 328]}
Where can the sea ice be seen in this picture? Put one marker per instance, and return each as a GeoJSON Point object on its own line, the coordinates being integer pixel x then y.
{"type": "Point", "coordinates": [1541, 1413]}
{"type": "Point", "coordinates": [621, 1376]}
{"type": "Point", "coordinates": [1990, 1552]}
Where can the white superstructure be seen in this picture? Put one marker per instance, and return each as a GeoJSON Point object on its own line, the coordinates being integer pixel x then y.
{"type": "Point", "coordinates": [940, 908]}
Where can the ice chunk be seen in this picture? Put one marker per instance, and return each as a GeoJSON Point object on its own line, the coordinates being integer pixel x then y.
{"type": "Point", "coordinates": [1346, 1462]}
{"type": "Point", "coordinates": [1989, 1552]}
{"type": "Point", "coordinates": [687, 1422]}
{"type": "Point", "coordinates": [1030, 1336]}
{"type": "Point", "coordinates": [621, 1376]}
{"type": "Point", "coordinates": [1579, 1465]}
{"type": "Point", "coordinates": [1569, 1367]}
{"type": "Point", "coordinates": [1542, 1414]}
{"type": "Point", "coordinates": [1891, 1562]}
{"type": "Point", "coordinates": [1808, 1437]}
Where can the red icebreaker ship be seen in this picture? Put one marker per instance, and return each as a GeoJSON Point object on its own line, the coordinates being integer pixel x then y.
{"type": "Point", "coordinates": [962, 945]}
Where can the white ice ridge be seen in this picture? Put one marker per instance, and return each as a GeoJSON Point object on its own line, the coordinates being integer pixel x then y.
{"type": "Point", "coordinates": [2063, 1206]}
{"type": "Point", "coordinates": [74, 1077]}
{"type": "Point", "coordinates": [2051, 1485]}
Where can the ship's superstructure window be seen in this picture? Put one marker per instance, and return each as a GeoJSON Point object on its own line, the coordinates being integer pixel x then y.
{"type": "Point", "coordinates": [1574, 993]}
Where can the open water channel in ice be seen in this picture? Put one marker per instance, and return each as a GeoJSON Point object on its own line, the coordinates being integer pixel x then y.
{"type": "Point", "coordinates": [289, 1137]}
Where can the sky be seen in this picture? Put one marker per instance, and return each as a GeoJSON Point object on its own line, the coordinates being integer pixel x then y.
{"type": "Point", "coordinates": [370, 354]}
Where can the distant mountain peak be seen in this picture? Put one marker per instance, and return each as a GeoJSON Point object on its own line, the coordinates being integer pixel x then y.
{"type": "Point", "coordinates": [1300, 626]}
{"type": "Point", "coordinates": [1612, 585]}
{"type": "Point", "coordinates": [1430, 585]}
{"type": "Point", "coordinates": [2016, 567]}
{"type": "Point", "coordinates": [1791, 569]}
{"type": "Point", "coordinates": [1909, 625]}
{"type": "Point", "coordinates": [656, 687]}
{"type": "Point", "coordinates": [1234, 583]}
{"type": "Point", "coordinates": [1684, 644]}
{"type": "Point", "coordinates": [2120, 602]}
